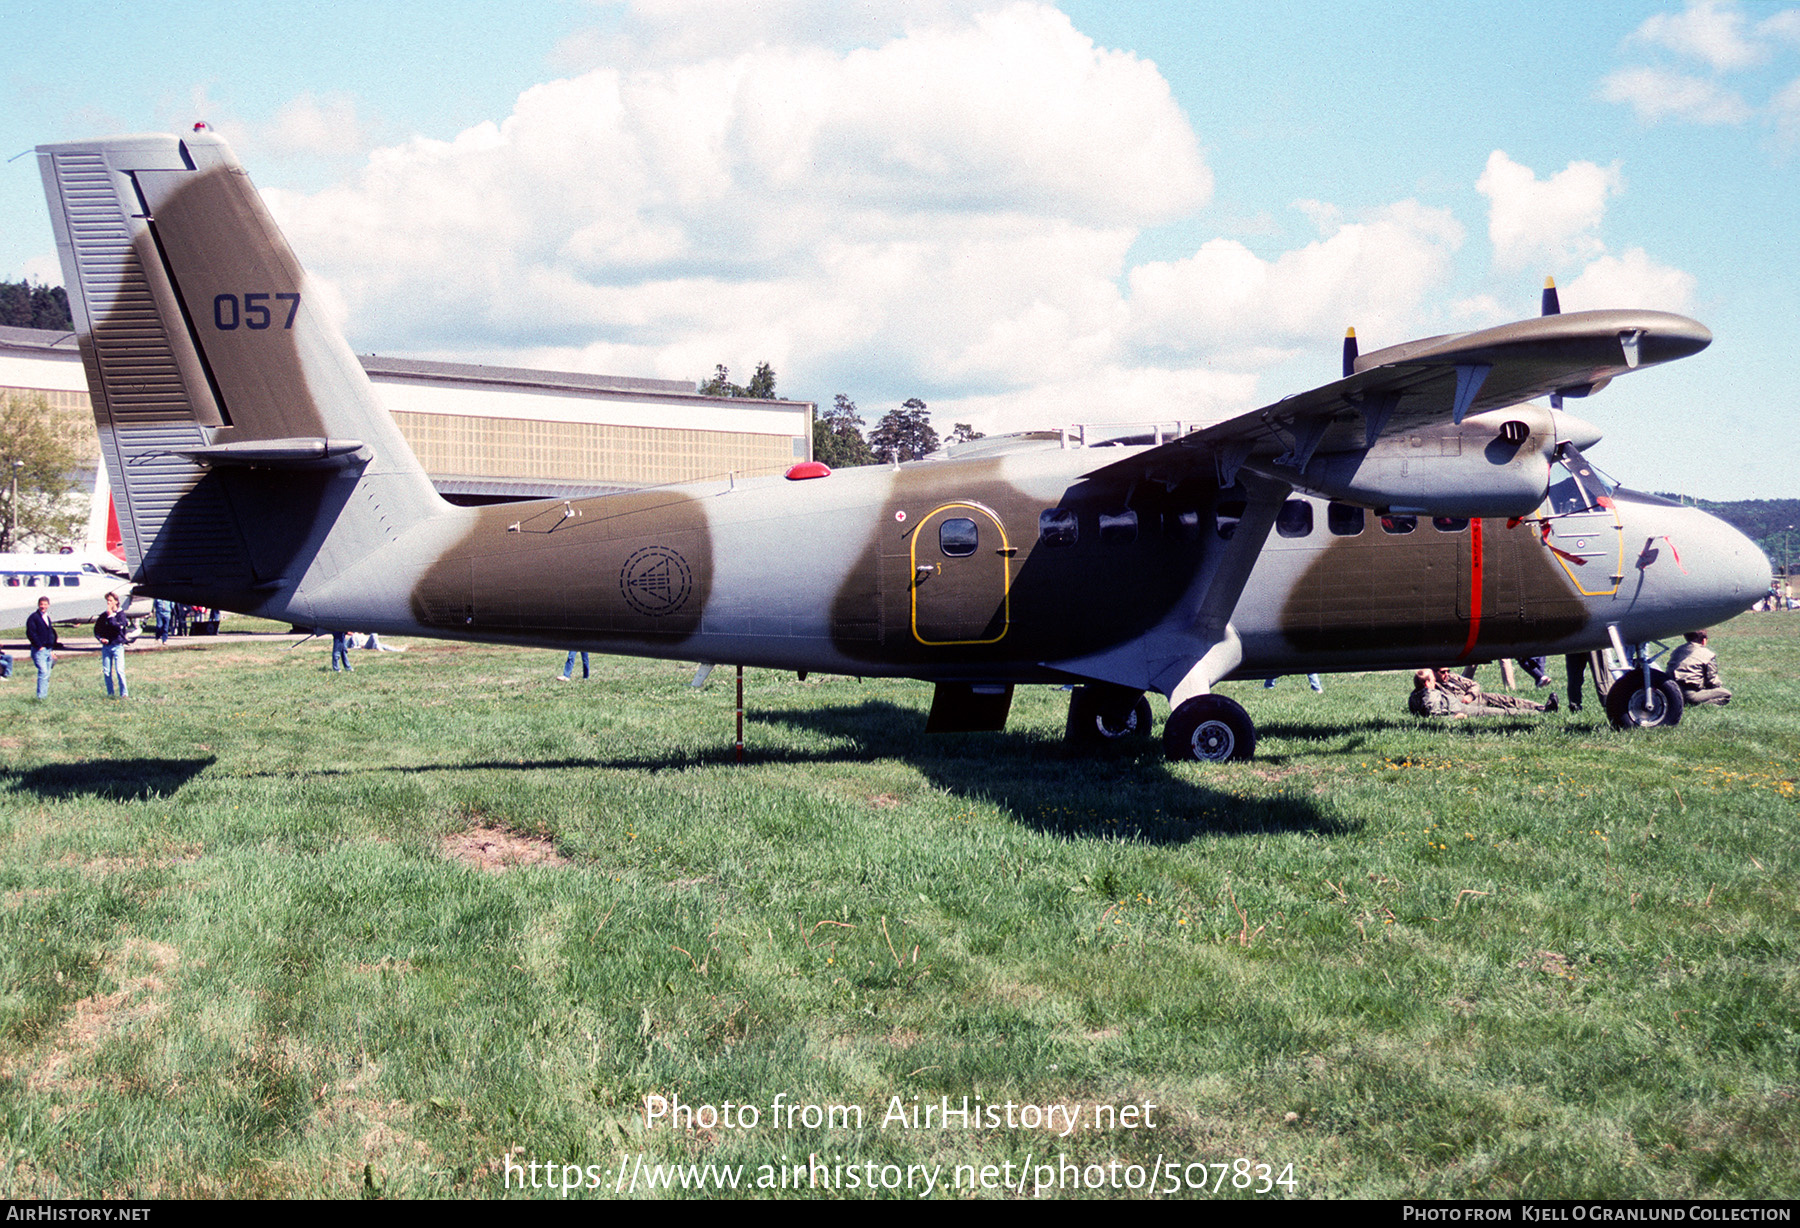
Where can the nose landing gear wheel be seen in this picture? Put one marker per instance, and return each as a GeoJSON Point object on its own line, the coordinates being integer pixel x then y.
{"type": "Point", "coordinates": [1209, 728]}
{"type": "Point", "coordinates": [1106, 716]}
{"type": "Point", "coordinates": [1630, 706]}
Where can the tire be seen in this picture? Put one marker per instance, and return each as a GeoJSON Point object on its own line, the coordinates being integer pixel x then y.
{"type": "Point", "coordinates": [1105, 716]}
{"type": "Point", "coordinates": [1630, 706]}
{"type": "Point", "coordinates": [1210, 729]}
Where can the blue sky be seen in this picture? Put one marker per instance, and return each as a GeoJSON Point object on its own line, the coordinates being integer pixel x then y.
{"type": "Point", "coordinates": [1025, 214]}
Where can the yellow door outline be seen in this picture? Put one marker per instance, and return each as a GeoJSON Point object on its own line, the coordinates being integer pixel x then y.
{"type": "Point", "coordinates": [1006, 557]}
{"type": "Point", "coordinates": [1618, 572]}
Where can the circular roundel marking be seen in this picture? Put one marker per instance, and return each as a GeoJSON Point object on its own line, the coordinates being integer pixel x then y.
{"type": "Point", "coordinates": [656, 581]}
{"type": "Point", "coordinates": [900, 516]}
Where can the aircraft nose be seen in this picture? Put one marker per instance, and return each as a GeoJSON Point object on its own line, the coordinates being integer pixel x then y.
{"type": "Point", "coordinates": [1717, 572]}
{"type": "Point", "coordinates": [1737, 563]}
{"type": "Point", "coordinates": [1750, 567]}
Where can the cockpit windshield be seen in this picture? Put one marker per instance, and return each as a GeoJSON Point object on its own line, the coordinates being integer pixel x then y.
{"type": "Point", "coordinates": [1582, 488]}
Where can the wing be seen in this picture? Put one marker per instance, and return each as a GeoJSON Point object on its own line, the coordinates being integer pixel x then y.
{"type": "Point", "coordinates": [1427, 382]}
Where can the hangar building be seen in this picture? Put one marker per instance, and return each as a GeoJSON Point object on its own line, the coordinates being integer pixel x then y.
{"type": "Point", "coordinates": [487, 434]}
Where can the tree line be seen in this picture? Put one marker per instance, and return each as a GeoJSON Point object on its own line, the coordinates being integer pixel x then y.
{"type": "Point", "coordinates": [903, 434]}
{"type": "Point", "coordinates": [23, 305]}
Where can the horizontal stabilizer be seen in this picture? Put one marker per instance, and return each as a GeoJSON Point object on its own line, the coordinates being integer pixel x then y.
{"type": "Point", "coordinates": [284, 453]}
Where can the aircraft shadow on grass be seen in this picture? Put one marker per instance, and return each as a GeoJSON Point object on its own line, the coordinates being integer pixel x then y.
{"type": "Point", "coordinates": [119, 780]}
{"type": "Point", "coordinates": [1129, 791]}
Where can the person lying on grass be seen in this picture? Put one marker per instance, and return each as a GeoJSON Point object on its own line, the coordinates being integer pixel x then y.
{"type": "Point", "coordinates": [1441, 693]}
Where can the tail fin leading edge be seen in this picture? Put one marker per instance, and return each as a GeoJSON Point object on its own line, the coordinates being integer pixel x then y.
{"type": "Point", "coordinates": [249, 454]}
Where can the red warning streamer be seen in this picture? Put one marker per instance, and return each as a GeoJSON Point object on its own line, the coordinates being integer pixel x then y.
{"type": "Point", "coordinates": [1475, 561]}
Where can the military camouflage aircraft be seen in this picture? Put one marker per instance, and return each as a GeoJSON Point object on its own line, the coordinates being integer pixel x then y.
{"type": "Point", "coordinates": [1415, 512]}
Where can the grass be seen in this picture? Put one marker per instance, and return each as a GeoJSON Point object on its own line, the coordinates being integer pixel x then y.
{"type": "Point", "coordinates": [1506, 958]}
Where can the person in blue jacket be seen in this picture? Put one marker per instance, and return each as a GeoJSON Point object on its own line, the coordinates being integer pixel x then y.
{"type": "Point", "coordinates": [43, 645]}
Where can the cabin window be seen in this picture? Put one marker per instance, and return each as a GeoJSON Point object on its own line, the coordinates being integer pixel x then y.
{"type": "Point", "coordinates": [53, 581]}
{"type": "Point", "coordinates": [1399, 524]}
{"type": "Point", "coordinates": [71, 581]}
{"type": "Point", "coordinates": [1295, 519]}
{"type": "Point", "coordinates": [12, 582]}
{"type": "Point", "coordinates": [1057, 526]}
{"type": "Point", "coordinates": [1449, 524]}
{"type": "Point", "coordinates": [1343, 520]}
{"type": "Point", "coordinates": [1183, 525]}
{"type": "Point", "coordinates": [958, 537]}
{"type": "Point", "coordinates": [31, 581]}
{"type": "Point", "coordinates": [1118, 529]}
{"type": "Point", "coordinates": [1227, 516]}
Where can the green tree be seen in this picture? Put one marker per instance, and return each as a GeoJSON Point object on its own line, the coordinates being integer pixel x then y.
{"type": "Point", "coordinates": [962, 432]}
{"type": "Point", "coordinates": [904, 434]}
{"type": "Point", "coordinates": [761, 385]}
{"type": "Point", "coordinates": [23, 305]}
{"type": "Point", "coordinates": [34, 445]}
{"type": "Point", "coordinates": [838, 438]}
{"type": "Point", "coordinates": [720, 384]}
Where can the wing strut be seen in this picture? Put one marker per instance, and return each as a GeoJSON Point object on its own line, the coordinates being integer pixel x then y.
{"type": "Point", "coordinates": [1377, 407]}
{"type": "Point", "coordinates": [1469, 378]}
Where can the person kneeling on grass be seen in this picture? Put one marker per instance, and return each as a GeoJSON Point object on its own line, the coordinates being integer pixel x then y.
{"type": "Point", "coordinates": [1695, 669]}
{"type": "Point", "coordinates": [1441, 693]}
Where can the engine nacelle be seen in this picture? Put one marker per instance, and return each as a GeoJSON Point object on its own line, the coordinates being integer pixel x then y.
{"type": "Point", "coordinates": [1491, 464]}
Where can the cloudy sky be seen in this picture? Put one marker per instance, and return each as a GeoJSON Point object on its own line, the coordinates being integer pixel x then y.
{"type": "Point", "coordinates": [1025, 214]}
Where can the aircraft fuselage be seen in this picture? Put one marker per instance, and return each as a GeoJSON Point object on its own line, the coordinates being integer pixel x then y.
{"type": "Point", "coordinates": [1000, 568]}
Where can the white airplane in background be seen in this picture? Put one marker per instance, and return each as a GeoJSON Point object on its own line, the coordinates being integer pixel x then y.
{"type": "Point", "coordinates": [76, 583]}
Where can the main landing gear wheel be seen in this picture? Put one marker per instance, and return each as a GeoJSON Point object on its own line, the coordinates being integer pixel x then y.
{"type": "Point", "coordinates": [1210, 728]}
{"type": "Point", "coordinates": [1630, 706]}
{"type": "Point", "coordinates": [1106, 716]}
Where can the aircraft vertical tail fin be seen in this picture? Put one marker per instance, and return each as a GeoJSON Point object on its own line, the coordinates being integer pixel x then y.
{"type": "Point", "coordinates": [248, 453]}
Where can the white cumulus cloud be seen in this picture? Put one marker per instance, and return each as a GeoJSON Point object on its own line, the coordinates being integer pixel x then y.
{"type": "Point", "coordinates": [654, 32]}
{"type": "Point", "coordinates": [1111, 393]}
{"type": "Point", "coordinates": [1556, 222]}
{"type": "Point", "coordinates": [1545, 222]}
{"type": "Point", "coordinates": [1630, 280]}
{"type": "Point", "coordinates": [943, 209]}
{"type": "Point", "coordinates": [326, 127]}
{"type": "Point", "coordinates": [1661, 93]}
{"type": "Point", "coordinates": [1785, 112]}
{"type": "Point", "coordinates": [1228, 302]}
{"type": "Point", "coordinates": [958, 200]}
{"type": "Point", "coordinates": [1710, 30]}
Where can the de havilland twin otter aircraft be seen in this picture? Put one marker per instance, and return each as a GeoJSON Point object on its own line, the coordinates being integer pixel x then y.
{"type": "Point", "coordinates": [1415, 512]}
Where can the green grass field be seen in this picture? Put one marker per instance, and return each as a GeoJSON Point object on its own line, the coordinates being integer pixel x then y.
{"type": "Point", "coordinates": [1510, 958]}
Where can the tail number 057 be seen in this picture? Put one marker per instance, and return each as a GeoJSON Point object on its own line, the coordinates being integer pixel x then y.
{"type": "Point", "coordinates": [253, 313]}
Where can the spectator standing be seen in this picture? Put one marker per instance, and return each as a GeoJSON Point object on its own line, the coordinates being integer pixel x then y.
{"type": "Point", "coordinates": [43, 645]}
{"type": "Point", "coordinates": [110, 629]}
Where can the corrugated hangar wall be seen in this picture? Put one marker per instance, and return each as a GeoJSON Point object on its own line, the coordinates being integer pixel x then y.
{"type": "Point", "coordinates": [486, 433]}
